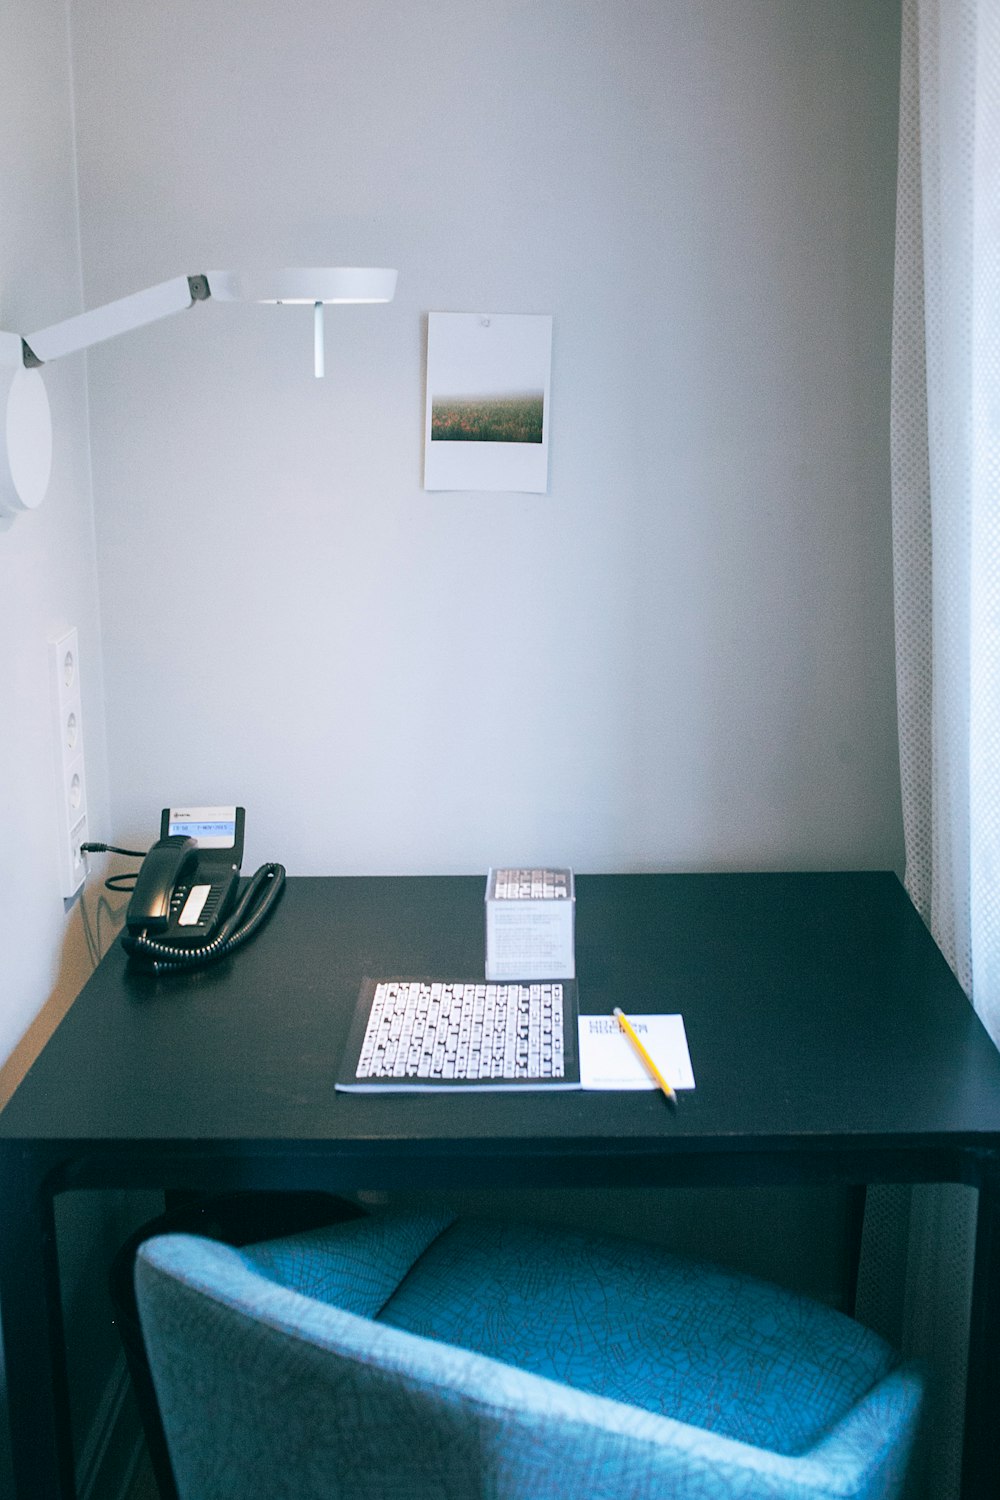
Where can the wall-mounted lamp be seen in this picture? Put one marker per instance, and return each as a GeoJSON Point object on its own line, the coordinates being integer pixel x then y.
{"type": "Point", "coordinates": [26, 431]}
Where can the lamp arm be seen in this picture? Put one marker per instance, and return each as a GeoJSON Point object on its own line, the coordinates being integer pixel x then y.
{"type": "Point", "coordinates": [113, 318]}
{"type": "Point", "coordinates": [25, 418]}
{"type": "Point", "coordinates": [313, 286]}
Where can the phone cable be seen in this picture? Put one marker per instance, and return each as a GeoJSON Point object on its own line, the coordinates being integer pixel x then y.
{"type": "Point", "coordinates": [255, 903]}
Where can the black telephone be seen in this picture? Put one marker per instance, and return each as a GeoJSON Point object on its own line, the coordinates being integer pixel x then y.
{"type": "Point", "coordinates": [187, 908]}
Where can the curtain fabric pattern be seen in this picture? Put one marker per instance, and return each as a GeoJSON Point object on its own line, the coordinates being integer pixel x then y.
{"type": "Point", "coordinates": [945, 448]}
{"type": "Point", "coordinates": [946, 480]}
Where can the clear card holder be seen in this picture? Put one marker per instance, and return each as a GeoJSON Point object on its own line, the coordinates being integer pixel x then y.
{"type": "Point", "coordinates": [530, 921]}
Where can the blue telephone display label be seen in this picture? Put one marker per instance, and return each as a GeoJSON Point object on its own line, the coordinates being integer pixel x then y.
{"type": "Point", "coordinates": [205, 830]}
{"type": "Point", "coordinates": [210, 827]}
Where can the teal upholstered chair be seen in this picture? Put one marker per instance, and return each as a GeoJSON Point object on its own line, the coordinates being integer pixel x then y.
{"type": "Point", "coordinates": [433, 1359]}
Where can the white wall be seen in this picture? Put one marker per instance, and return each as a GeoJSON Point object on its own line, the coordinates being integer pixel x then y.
{"type": "Point", "coordinates": [48, 576]}
{"type": "Point", "coordinates": [695, 623]}
{"type": "Point", "coordinates": [48, 580]}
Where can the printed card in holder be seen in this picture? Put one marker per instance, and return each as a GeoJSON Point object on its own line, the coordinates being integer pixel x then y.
{"type": "Point", "coordinates": [530, 916]}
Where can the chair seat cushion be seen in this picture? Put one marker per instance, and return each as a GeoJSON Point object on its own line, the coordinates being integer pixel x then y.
{"type": "Point", "coordinates": [631, 1322]}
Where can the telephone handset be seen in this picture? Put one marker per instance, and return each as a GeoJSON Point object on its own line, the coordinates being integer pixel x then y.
{"type": "Point", "coordinates": [187, 908]}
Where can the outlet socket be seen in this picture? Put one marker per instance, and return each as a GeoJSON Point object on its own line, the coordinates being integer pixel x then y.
{"type": "Point", "coordinates": [71, 772]}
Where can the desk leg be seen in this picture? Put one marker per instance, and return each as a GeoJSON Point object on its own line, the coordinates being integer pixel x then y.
{"type": "Point", "coordinates": [981, 1453]}
{"type": "Point", "coordinates": [34, 1348]}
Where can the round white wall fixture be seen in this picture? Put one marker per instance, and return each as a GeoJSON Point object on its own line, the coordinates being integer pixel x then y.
{"type": "Point", "coordinates": [25, 440]}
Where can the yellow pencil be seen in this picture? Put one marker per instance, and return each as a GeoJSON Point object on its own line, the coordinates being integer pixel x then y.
{"type": "Point", "coordinates": [629, 1030]}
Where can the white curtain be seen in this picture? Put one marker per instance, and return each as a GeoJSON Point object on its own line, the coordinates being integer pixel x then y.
{"type": "Point", "coordinates": [916, 1269]}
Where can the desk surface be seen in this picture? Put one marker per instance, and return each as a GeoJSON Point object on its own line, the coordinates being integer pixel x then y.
{"type": "Point", "coordinates": [828, 1037]}
{"type": "Point", "coordinates": [820, 1017]}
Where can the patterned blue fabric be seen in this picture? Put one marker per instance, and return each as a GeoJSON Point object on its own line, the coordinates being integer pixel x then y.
{"type": "Point", "coordinates": [357, 1266]}
{"type": "Point", "coordinates": [268, 1392]}
{"type": "Point", "coordinates": [629, 1321]}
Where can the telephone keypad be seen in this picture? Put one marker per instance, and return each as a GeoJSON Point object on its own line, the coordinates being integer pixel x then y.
{"type": "Point", "coordinates": [194, 907]}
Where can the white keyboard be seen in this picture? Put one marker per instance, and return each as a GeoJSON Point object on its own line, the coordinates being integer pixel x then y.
{"type": "Point", "coordinates": [464, 1031]}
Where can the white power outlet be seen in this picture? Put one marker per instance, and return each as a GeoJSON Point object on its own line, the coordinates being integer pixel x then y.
{"type": "Point", "coordinates": [72, 779]}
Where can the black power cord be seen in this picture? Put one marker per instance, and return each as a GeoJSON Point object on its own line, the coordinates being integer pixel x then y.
{"type": "Point", "coordinates": [113, 849]}
{"type": "Point", "coordinates": [125, 882]}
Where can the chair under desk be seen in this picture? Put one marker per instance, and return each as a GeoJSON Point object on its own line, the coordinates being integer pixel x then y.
{"type": "Point", "coordinates": [829, 1040]}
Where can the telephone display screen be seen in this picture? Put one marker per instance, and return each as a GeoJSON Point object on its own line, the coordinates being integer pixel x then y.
{"type": "Point", "coordinates": [210, 827]}
{"type": "Point", "coordinates": [225, 832]}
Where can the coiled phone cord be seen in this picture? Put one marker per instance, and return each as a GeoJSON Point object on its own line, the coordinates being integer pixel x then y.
{"type": "Point", "coordinates": [254, 904]}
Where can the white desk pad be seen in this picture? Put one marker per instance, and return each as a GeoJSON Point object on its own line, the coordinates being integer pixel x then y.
{"type": "Point", "coordinates": [609, 1061]}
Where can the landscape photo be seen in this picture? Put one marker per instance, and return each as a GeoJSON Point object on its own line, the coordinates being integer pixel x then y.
{"type": "Point", "coordinates": [507, 417]}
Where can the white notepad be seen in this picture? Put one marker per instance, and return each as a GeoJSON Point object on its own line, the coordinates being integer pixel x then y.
{"type": "Point", "coordinates": [609, 1061]}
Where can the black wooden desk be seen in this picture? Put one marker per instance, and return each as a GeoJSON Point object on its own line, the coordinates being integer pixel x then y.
{"type": "Point", "coordinates": [828, 1037]}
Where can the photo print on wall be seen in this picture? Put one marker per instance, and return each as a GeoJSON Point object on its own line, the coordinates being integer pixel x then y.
{"type": "Point", "coordinates": [487, 418]}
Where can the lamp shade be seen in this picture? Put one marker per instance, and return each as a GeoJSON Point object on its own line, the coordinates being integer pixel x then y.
{"type": "Point", "coordinates": [304, 284]}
